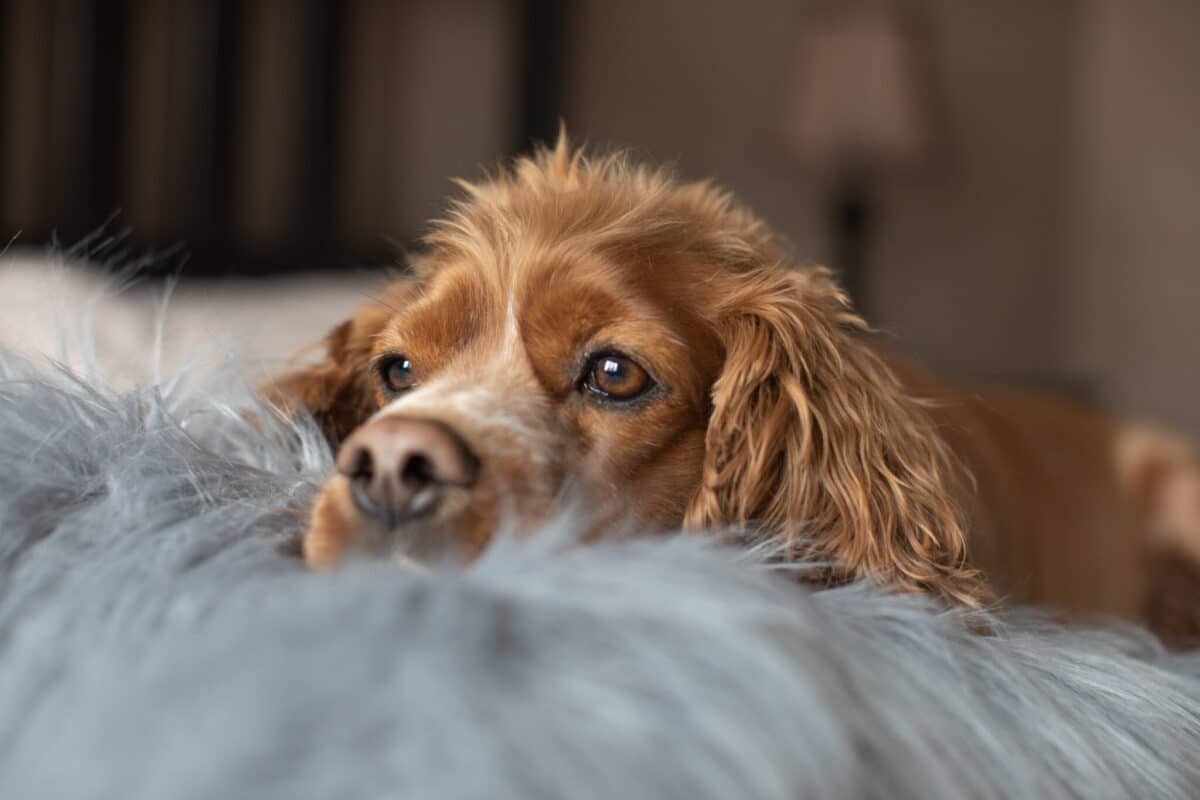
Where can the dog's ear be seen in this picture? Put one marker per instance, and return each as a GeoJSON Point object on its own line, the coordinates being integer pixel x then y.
{"type": "Point", "coordinates": [813, 436]}
{"type": "Point", "coordinates": [337, 390]}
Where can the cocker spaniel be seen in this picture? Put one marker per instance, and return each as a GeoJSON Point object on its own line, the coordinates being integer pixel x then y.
{"type": "Point", "coordinates": [595, 323]}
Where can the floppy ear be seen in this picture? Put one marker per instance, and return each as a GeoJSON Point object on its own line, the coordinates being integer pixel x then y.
{"type": "Point", "coordinates": [337, 390]}
{"type": "Point", "coordinates": [812, 435]}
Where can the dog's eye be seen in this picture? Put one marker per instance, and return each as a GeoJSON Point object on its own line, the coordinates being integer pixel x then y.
{"type": "Point", "coordinates": [616, 377]}
{"type": "Point", "coordinates": [396, 373]}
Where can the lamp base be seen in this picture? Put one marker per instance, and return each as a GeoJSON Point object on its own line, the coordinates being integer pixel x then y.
{"type": "Point", "coordinates": [852, 217]}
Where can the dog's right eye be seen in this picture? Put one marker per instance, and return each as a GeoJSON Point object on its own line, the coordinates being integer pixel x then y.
{"type": "Point", "coordinates": [397, 373]}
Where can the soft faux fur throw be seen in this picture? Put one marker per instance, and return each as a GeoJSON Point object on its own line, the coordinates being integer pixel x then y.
{"type": "Point", "coordinates": [158, 640]}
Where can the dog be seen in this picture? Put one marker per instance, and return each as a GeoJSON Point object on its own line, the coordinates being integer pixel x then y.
{"type": "Point", "coordinates": [595, 323]}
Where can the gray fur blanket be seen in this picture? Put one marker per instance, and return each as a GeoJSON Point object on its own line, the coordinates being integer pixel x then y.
{"type": "Point", "coordinates": [158, 639]}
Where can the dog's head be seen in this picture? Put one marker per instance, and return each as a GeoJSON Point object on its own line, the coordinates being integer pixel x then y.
{"type": "Point", "coordinates": [596, 324]}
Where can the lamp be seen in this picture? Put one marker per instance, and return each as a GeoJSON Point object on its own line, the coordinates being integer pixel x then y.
{"type": "Point", "coordinates": [856, 114]}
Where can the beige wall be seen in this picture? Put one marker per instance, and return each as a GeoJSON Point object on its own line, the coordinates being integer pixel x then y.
{"type": "Point", "coordinates": [964, 258]}
{"type": "Point", "coordinates": [966, 263]}
{"type": "Point", "coordinates": [429, 97]}
{"type": "Point", "coordinates": [1057, 237]}
{"type": "Point", "coordinates": [1133, 260]}
{"type": "Point", "coordinates": [698, 83]}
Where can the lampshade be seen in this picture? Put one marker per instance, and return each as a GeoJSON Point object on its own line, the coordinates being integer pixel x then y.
{"type": "Point", "coordinates": [855, 102]}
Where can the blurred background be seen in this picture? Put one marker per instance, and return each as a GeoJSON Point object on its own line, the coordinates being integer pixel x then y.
{"type": "Point", "coordinates": [1010, 187]}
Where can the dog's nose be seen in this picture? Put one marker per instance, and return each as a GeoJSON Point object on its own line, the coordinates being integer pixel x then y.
{"type": "Point", "coordinates": [398, 468]}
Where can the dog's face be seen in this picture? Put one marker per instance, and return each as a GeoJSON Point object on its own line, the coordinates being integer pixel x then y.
{"type": "Point", "coordinates": [640, 344]}
{"type": "Point", "coordinates": [552, 372]}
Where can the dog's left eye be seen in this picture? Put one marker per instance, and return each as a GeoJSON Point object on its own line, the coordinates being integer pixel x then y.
{"type": "Point", "coordinates": [614, 376]}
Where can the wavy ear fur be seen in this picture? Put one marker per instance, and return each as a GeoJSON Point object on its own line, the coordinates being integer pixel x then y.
{"type": "Point", "coordinates": [337, 390]}
{"type": "Point", "coordinates": [812, 435]}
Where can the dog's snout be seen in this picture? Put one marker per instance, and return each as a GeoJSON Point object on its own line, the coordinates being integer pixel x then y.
{"type": "Point", "coordinates": [398, 468]}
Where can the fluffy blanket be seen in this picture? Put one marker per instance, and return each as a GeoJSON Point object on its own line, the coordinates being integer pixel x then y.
{"type": "Point", "coordinates": [159, 639]}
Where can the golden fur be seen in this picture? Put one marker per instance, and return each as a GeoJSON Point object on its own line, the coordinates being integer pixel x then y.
{"type": "Point", "coordinates": [778, 410]}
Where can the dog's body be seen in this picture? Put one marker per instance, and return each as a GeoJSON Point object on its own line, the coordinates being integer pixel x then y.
{"type": "Point", "coordinates": [592, 325]}
{"type": "Point", "coordinates": [1070, 508]}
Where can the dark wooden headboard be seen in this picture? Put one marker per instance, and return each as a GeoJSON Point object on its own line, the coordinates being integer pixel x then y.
{"type": "Point", "coordinates": [264, 135]}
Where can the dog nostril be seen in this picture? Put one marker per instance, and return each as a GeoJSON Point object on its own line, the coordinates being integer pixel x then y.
{"type": "Point", "coordinates": [418, 471]}
{"type": "Point", "coordinates": [363, 466]}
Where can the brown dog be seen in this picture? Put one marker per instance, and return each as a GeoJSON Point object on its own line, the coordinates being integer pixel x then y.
{"type": "Point", "coordinates": [596, 323]}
